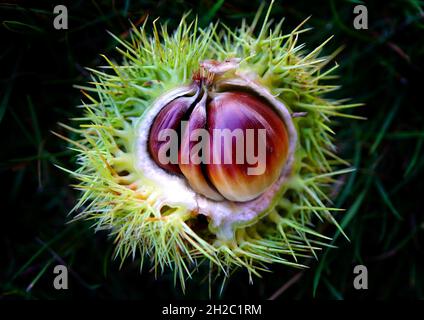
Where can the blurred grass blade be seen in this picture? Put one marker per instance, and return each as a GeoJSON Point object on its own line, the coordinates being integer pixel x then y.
{"type": "Point", "coordinates": [345, 221]}
{"type": "Point", "coordinates": [386, 199]}
{"type": "Point", "coordinates": [207, 18]}
{"type": "Point", "coordinates": [388, 120]}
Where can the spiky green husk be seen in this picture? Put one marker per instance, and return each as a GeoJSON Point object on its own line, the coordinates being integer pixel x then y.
{"type": "Point", "coordinates": [118, 198]}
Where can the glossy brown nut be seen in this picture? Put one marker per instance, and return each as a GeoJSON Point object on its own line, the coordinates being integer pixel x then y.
{"type": "Point", "coordinates": [192, 162]}
{"type": "Point", "coordinates": [169, 117]}
{"type": "Point", "coordinates": [240, 110]}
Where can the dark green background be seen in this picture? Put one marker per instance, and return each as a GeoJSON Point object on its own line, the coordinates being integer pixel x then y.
{"type": "Point", "coordinates": [381, 66]}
